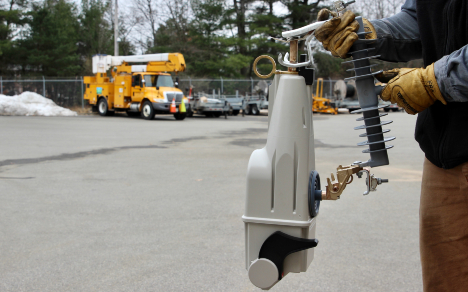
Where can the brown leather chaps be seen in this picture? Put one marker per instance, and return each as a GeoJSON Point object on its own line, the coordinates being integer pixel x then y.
{"type": "Point", "coordinates": [443, 228]}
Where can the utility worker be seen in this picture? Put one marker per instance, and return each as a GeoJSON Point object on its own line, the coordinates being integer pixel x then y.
{"type": "Point", "coordinates": [436, 31]}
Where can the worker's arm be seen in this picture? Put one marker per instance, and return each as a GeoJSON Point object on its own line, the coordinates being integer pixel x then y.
{"type": "Point", "coordinates": [452, 75]}
{"type": "Point", "coordinates": [415, 89]}
{"type": "Point", "coordinates": [398, 40]}
{"type": "Point", "coordinates": [398, 37]}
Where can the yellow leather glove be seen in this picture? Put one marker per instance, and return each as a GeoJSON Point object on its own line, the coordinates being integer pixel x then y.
{"type": "Point", "coordinates": [339, 33]}
{"type": "Point", "coordinates": [413, 89]}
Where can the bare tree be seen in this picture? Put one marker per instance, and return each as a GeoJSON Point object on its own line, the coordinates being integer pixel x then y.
{"type": "Point", "coordinates": [179, 11]}
{"type": "Point", "coordinates": [148, 15]}
{"type": "Point", "coordinates": [373, 9]}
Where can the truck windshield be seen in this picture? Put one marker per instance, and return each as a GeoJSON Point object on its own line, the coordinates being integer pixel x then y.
{"type": "Point", "coordinates": [158, 81]}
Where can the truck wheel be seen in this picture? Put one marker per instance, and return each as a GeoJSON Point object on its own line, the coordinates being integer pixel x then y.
{"type": "Point", "coordinates": [395, 109]}
{"type": "Point", "coordinates": [255, 110]}
{"type": "Point", "coordinates": [180, 117]}
{"type": "Point", "coordinates": [216, 115]}
{"type": "Point", "coordinates": [102, 107]}
{"type": "Point", "coordinates": [386, 109]}
{"type": "Point", "coordinates": [147, 111]}
{"type": "Point", "coordinates": [235, 112]}
{"type": "Point", "coordinates": [247, 110]}
{"type": "Point", "coordinates": [189, 113]}
{"type": "Point", "coordinates": [208, 115]}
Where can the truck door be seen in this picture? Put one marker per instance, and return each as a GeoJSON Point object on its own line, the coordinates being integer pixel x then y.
{"type": "Point", "coordinates": [137, 88]}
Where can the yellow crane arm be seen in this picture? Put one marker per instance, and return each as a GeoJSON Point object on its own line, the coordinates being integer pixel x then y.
{"type": "Point", "coordinates": [175, 63]}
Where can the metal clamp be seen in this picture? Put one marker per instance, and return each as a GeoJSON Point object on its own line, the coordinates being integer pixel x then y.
{"type": "Point", "coordinates": [371, 181]}
{"type": "Point", "coordinates": [344, 176]}
{"type": "Point", "coordinates": [308, 44]}
{"type": "Point", "coordinates": [340, 5]}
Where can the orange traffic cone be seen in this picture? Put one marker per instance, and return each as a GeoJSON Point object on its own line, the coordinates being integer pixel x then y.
{"type": "Point", "coordinates": [173, 107]}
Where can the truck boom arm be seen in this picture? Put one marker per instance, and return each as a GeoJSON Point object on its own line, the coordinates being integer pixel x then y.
{"type": "Point", "coordinates": [168, 62]}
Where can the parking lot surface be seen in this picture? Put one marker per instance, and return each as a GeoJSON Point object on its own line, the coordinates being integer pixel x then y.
{"type": "Point", "coordinates": [123, 204]}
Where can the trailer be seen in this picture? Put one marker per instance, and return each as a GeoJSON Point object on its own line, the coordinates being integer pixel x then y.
{"type": "Point", "coordinates": [255, 103]}
{"type": "Point", "coordinates": [236, 103]}
{"type": "Point", "coordinates": [207, 105]}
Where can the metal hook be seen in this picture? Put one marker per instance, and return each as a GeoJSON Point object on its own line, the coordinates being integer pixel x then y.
{"type": "Point", "coordinates": [285, 62]}
{"type": "Point", "coordinates": [367, 181]}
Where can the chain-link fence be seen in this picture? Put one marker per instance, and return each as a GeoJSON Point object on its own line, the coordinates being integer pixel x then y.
{"type": "Point", "coordinates": [68, 92]}
{"type": "Point", "coordinates": [242, 87]}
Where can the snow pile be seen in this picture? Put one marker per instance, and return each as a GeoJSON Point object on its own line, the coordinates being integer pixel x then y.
{"type": "Point", "coordinates": [31, 104]}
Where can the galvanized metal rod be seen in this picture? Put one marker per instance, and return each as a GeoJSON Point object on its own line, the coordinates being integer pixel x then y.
{"type": "Point", "coordinates": [43, 86]}
{"type": "Point", "coordinates": [82, 96]}
{"type": "Point", "coordinates": [293, 51]}
{"type": "Point", "coordinates": [251, 86]}
{"type": "Point", "coordinates": [116, 28]}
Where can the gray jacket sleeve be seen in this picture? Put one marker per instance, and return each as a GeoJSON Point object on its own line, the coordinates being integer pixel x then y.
{"type": "Point", "coordinates": [452, 75]}
{"type": "Point", "coordinates": [398, 40]}
{"type": "Point", "coordinates": [398, 36]}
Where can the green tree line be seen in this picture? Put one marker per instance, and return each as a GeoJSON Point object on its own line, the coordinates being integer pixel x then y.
{"type": "Point", "coordinates": [55, 37]}
{"type": "Point", "coordinates": [216, 37]}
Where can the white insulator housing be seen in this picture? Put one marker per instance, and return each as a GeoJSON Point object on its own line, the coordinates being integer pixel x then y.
{"type": "Point", "coordinates": [278, 178]}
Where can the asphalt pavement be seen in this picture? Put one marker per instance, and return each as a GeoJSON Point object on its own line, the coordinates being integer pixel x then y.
{"type": "Point", "coordinates": [94, 203]}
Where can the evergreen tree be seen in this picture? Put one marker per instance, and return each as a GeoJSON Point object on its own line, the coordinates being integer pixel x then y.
{"type": "Point", "coordinates": [51, 46]}
{"type": "Point", "coordinates": [11, 20]}
{"type": "Point", "coordinates": [95, 32]}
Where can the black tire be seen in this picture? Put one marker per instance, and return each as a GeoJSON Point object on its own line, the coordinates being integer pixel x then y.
{"type": "Point", "coordinates": [208, 115]}
{"type": "Point", "coordinates": [386, 109]}
{"type": "Point", "coordinates": [247, 110]}
{"type": "Point", "coordinates": [395, 109]}
{"type": "Point", "coordinates": [217, 114]}
{"type": "Point", "coordinates": [255, 110]}
{"type": "Point", "coordinates": [180, 116]}
{"type": "Point", "coordinates": [103, 110]}
{"type": "Point", "coordinates": [133, 114]}
{"type": "Point", "coordinates": [189, 113]}
{"type": "Point", "coordinates": [315, 193]}
{"type": "Point", "coordinates": [147, 111]}
{"type": "Point", "coordinates": [235, 112]}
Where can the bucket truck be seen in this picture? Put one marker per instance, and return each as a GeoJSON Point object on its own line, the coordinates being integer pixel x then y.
{"type": "Point", "coordinates": [140, 85]}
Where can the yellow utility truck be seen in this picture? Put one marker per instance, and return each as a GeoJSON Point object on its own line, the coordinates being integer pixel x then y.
{"type": "Point", "coordinates": [321, 104]}
{"type": "Point", "coordinates": [140, 85]}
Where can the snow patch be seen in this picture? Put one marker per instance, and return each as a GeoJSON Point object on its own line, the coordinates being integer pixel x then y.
{"type": "Point", "coordinates": [31, 104]}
